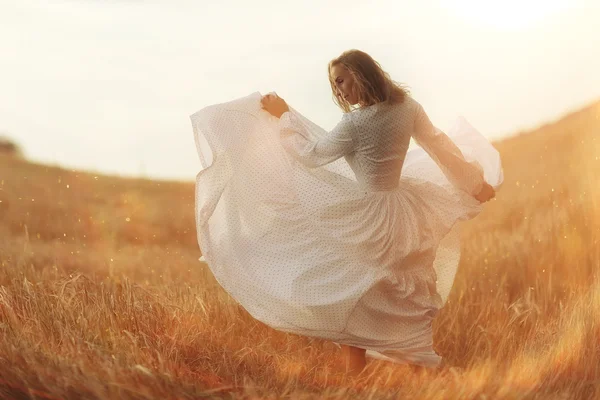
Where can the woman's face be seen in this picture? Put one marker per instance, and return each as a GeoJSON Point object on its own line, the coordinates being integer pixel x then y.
{"type": "Point", "coordinates": [344, 83]}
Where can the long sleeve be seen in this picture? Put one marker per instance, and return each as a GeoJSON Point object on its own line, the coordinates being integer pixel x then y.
{"type": "Point", "coordinates": [309, 148]}
{"type": "Point", "coordinates": [462, 174]}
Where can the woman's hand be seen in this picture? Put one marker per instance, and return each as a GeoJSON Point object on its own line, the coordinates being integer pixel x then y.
{"type": "Point", "coordinates": [274, 105]}
{"type": "Point", "coordinates": [487, 193]}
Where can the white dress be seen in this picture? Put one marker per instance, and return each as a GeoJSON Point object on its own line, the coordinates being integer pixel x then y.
{"type": "Point", "coordinates": [343, 235]}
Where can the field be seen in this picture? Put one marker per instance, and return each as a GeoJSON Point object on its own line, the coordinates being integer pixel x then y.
{"type": "Point", "coordinates": [102, 295]}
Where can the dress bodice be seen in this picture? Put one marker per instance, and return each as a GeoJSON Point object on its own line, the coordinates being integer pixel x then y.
{"type": "Point", "coordinates": [374, 141]}
{"type": "Point", "coordinates": [381, 137]}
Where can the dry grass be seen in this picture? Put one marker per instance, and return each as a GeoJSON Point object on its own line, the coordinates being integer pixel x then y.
{"type": "Point", "coordinates": [102, 295]}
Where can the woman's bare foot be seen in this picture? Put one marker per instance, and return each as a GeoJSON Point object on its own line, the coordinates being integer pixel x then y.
{"type": "Point", "coordinates": [354, 359]}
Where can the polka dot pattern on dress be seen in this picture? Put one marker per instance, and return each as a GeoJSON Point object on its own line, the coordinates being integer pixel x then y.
{"type": "Point", "coordinates": [344, 235]}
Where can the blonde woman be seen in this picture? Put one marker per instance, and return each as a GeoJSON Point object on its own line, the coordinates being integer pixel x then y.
{"type": "Point", "coordinates": [343, 235]}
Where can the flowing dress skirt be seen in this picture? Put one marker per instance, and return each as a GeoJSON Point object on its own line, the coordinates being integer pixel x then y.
{"type": "Point", "coordinates": [309, 251]}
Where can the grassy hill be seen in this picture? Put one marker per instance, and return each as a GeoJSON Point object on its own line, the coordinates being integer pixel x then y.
{"type": "Point", "coordinates": [102, 294]}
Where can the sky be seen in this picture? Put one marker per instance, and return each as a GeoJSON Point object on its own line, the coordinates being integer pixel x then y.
{"type": "Point", "coordinates": [108, 86]}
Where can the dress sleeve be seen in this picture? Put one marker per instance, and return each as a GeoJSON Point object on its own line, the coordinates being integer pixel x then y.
{"type": "Point", "coordinates": [462, 174]}
{"type": "Point", "coordinates": [311, 149]}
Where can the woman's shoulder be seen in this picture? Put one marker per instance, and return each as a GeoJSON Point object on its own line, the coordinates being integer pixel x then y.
{"type": "Point", "coordinates": [410, 102]}
{"type": "Point", "coordinates": [382, 108]}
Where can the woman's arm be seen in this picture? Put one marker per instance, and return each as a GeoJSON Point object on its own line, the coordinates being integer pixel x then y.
{"type": "Point", "coordinates": [304, 146]}
{"type": "Point", "coordinates": [462, 174]}
{"type": "Point", "coordinates": [315, 151]}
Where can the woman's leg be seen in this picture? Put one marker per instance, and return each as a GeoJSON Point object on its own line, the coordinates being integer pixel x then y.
{"type": "Point", "coordinates": [354, 359]}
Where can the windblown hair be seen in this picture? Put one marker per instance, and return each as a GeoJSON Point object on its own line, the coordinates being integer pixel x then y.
{"type": "Point", "coordinates": [371, 82]}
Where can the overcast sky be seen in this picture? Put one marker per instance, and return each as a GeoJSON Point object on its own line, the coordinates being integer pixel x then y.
{"type": "Point", "coordinates": [109, 86]}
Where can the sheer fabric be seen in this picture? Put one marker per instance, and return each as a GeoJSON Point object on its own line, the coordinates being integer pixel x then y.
{"type": "Point", "coordinates": [343, 235]}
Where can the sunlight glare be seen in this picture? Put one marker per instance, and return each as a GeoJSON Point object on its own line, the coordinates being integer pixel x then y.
{"type": "Point", "coordinates": [507, 14]}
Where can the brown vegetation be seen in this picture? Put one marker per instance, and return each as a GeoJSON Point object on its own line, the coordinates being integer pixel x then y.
{"type": "Point", "coordinates": [102, 294]}
{"type": "Point", "coordinates": [8, 147]}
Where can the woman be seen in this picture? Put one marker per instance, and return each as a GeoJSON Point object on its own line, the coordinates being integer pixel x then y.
{"type": "Point", "coordinates": [341, 235]}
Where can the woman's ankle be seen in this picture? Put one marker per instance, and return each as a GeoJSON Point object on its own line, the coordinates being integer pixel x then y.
{"type": "Point", "coordinates": [354, 359]}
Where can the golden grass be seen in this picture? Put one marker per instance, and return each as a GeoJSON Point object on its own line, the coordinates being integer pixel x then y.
{"type": "Point", "coordinates": [102, 295]}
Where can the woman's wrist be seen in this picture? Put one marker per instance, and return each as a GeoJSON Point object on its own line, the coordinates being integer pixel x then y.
{"type": "Point", "coordinates": [478, 188]}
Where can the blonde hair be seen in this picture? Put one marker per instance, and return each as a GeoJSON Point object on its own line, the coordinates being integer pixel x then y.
{"type": "Point", "coordinates": [371, 82]}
